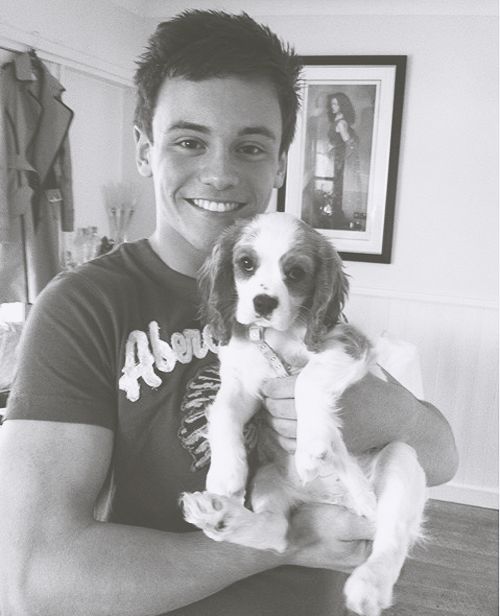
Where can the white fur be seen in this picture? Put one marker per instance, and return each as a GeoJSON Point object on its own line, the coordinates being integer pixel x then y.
{"type": "Point", "coordinates": [391, 488]}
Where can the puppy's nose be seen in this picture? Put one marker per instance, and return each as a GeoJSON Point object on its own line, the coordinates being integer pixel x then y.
{"type": "Point", "coordinates": [264, 304]}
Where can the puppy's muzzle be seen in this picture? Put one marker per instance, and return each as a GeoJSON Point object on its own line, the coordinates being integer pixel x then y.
{"type": "Point", "coordinates": [264, 304]}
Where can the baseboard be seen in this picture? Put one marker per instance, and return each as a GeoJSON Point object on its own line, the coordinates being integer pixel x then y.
{"type": "Point", "coordinates": [466, 495]}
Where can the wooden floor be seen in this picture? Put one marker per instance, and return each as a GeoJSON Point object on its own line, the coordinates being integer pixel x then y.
{"type": "Point", "coordinates": [456, 572]}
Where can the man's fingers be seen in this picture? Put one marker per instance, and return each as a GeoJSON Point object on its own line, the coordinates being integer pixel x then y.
{"type": "Point", "coordinates": [288, 444]}
{"type": "Point", "coordinates": [280, 387]}
{"type": "Point", "coordinates": [285, 427]}
{"type": "Point", "coordinates": [354, 527]}
{"type": "Point", "coordinates": [359, 528]}
{"type": "Point", "coordinates": [356, 554]}
{"type": "Point", "coordinates": [346, 525]}
{"type": "Point", "coordinates": [281, 408]}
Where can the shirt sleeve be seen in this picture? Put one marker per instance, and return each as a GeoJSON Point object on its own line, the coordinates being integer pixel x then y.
{"type": "Point", "coordinates": [67, 365]}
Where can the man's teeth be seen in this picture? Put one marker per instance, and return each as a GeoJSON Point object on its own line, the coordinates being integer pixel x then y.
{"type": "Point", "coordinates": [216, 206]}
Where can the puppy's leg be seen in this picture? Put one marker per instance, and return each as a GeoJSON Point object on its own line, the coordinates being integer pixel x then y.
{"type": "Point", "coordinates": [320, 448]}
{"type": "Point", "coordinates": [359, 495]}
{"type": "Point", "coordinates": [400, 486]}
{"type": "Point", "coordinates": [272, 497]}
{"type": "Point", "coordinates": [226, 519]}
{"type": "Point", "coordinates": [229, 413]}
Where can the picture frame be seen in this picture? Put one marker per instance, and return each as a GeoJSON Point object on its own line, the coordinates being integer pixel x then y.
{"type": "Point", "coordinates": [343, 162]}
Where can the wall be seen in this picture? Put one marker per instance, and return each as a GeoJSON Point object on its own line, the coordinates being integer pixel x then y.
{"type": "Point", "coordinates": [104, 152]}
{"type": "Point", "coordinates": [97, 143]}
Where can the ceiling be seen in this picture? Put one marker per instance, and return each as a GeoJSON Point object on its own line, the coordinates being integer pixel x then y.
{"type": "Point", "coordinates": [162, 9]}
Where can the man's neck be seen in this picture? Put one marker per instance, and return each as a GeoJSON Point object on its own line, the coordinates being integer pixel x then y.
{"type": "Point", "coordinates": [176, 252]}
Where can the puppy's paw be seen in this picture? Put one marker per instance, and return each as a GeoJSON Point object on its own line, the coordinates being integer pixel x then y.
{"type": "Point", "coordinates": [211, 513]}
{"type": "Point", "coordinates": [311, 459]}
{"type": "Point", "coordinates": [225, 519]}
{"type": "Point", "coordinates": [228, 479]}
{"type": "Point", "coordinates": [362, 502]}
{"type": "Point", "coordinates": [368, 590]}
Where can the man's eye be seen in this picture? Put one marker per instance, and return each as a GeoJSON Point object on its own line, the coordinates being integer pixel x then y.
{"type": "Point", "coordinates": [246, 264]}
{"type": "Point", "coordinates": [251, 150]}
{"type": "Point", "coordinates": [189, 144]}
{"type": "Point", "coordinates": [295, 273]}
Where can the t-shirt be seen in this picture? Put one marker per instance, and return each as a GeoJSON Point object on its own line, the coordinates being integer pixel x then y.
{"type": "Point", "coordinates": [117, 343]}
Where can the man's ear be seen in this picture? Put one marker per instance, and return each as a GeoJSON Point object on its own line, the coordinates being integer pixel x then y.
{"type": "Point", "coordinates": [142, 152]}
{"type": "Point", "coordinates": [280, 174]}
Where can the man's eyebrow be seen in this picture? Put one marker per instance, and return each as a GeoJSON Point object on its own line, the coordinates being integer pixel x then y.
{"type": "Point", "coordinates": [201, 128]}
{"type": "Point", "coordinates": [258, 130]}
{"type": "Point", "coordinates": [182, 125]}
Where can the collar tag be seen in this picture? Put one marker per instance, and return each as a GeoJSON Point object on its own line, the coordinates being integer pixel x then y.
{"type": "Point", "coordinates": [256, 333]}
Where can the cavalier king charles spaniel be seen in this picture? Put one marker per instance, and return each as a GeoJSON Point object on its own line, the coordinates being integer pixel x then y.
{"type": "Point", "coordinates": [273, 290]}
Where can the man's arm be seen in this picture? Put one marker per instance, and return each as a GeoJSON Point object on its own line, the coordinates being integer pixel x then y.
{"type": "Point", "coordinates": [375, 413]}
{"type": "Point", "coordinates": [55, 559]}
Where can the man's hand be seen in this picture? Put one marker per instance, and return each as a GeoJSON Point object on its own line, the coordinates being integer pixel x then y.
{"type": "Point", "coordinates": [279, 400]}
{"type": "Point", "coordinates": [329, 537]}
{"type": "Point", "coordinates": [374, 413]}
{"type": "Point", "coordinates": [322, 536]}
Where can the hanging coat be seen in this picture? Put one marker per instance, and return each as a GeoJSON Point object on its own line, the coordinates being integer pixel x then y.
{"type": "Point", "coordinates": [36, 201]}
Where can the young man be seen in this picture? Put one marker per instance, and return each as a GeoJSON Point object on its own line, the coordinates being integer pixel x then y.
{"type": "Point", "coordinates": [116, 371]}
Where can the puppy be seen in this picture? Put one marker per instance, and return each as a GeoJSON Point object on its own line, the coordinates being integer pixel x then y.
{"type": "Point", "coordinates": [273, 292]}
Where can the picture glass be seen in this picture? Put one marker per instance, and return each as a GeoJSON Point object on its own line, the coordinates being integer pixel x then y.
{"type": "Point", "coordinates": [342, 164]}
{"type": "Point", "coordinates": [338, 153]}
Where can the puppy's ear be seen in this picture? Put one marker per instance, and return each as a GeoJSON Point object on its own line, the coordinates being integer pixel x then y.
{"type": "Point", "coordinates": [217, 288]}
{"type": "Point", "coordinates": [330, 293]}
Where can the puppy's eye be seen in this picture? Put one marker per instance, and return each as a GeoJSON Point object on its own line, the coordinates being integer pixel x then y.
{"type": "Point", "coordinates": [246, 264]}
{"type": "Point", "coordinates": [295, 273]}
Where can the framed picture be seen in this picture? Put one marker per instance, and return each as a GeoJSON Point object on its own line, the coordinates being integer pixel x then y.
{"type": "Point", "coordinates": [342, 165]}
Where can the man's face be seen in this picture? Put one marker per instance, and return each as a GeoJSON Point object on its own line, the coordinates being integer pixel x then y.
{"type": "Point", "coordinates": [214, 157]}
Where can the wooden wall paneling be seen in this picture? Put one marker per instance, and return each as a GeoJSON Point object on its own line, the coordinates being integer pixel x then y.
{"type": "Point", "coordinates": [457, 342]}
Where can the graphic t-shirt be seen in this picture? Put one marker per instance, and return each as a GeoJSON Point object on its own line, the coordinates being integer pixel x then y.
{"type": "Point", "coordinates": [117, 343]}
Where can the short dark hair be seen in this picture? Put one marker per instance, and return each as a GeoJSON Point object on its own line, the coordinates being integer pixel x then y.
{"type": "Point", "coordinates": [200, 45]}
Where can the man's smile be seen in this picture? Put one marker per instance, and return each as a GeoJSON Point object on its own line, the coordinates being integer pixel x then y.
{"type": "Point", "coordinates": [216, 206]}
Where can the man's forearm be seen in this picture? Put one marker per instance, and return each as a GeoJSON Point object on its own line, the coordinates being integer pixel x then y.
{"type": "Point", "coordinates": [376, 413]}
{"type": "Point", "coordinates": [55, 559]}
{"type": "Point", "coordinates": [432, 438]}
{"type": "Point", "coordinates": [120, 570]}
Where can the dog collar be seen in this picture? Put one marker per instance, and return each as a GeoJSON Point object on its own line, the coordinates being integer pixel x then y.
{"type": "Point", "coordinates": [256, 335]}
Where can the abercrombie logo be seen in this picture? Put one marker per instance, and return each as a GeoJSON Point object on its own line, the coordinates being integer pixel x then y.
{"type": "Point", "coordinates": [145, 351]}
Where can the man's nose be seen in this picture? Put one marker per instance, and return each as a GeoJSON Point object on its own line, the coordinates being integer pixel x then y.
{"type": "Point", "coordinates": [264, 304]}
{"type": "Point", "coordinates": [219, 171]}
